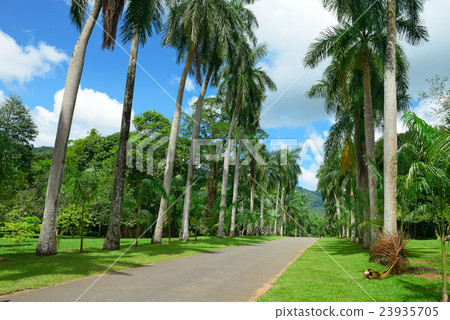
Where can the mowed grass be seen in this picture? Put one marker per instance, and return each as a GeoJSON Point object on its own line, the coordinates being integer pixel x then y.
{"type": "Point", "coordinates": [314, 276]}
{"type": "Point", "coordinates": [22, 269]}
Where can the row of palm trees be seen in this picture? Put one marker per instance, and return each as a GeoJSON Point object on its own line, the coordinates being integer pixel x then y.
{"type": "Point", "coordinates": [365, 83]}
{"type": "Point", "coordinates": [216, 41]}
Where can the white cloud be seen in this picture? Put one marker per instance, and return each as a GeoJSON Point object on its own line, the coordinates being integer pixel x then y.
{"type": "Point", "coordinates": [424, 111]}
{"type": "Point", "coordinates": [308, 179]}
{"type": "Point", "coordinates": [2, 96]}
{"type": "Point", "coordinates": [288, 27]}
{"type": "Point", "coordinates": [192, 100]}
{"type": "Point", "coordinates": [93, 110]}
{"type": "Point", "coordinates": [430, 58]}
{"type": "Point", "coordinates": [190, 84]}
{"type": "Point", "coordinates": [23, 64]}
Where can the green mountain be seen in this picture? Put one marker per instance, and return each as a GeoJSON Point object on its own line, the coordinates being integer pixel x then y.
{"type": "Point", "coordinates": [316, 203]}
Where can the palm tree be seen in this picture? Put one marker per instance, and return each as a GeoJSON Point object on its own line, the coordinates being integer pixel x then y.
{"type": "Point", "coordinates": [429, 177]}
{"type": "Point", "coordinates": [289, 172]}
{"type": "Point", "coordinates": [78, 9]}
{"type": "Point", "coordinates": [189, 29]}
{"type": "Point", "coordinates": [360, 41]}
{"type": "Point", "coordinates": [223, 41]}
{"type": "Point", "coordinates": [390, 124]}
{"type": "Point", "coordinates": [236, 185]}
{"type": "Point", "coordinates": [243, 88]}
{"type": "Point", "coordinates": [142, 17]}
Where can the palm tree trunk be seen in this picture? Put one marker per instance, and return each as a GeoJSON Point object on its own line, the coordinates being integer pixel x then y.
{"type": "Point", "coordinates": [212, 187]}
{"type": "Point", "coordinates": [444, 263]}
{"type": "Point", "coordinates": [365, 203]}
{"type": "Point", "coordinates": [261, 212]}
{"type": "Point", "coordinates": [157, 236]}
{"type": "Point", "coordinates": [359, 173]}
{"type": "Point", "coordinates": [236, 186]}
{"type": "Point", "coordinates": [276, 210]}
{"type": "Point", "coordinates": [352, 218]}
{"type": "Point", "coordinates": [369, 127]}
{"type": "Point", "coordinates": [190, 178]}
{"type": "Point", "coordinates": [250, 229]}
{"type": "Point", "coordinates": [226, 168]}
{"type": "Point", "coordinates": [47, 237]}
{"type": "Point", "coordinates": [112, 239]}
{"type": "Point", "coordinates": [281, 231]}
{"type": "Point", "coordinates": [390, 124]}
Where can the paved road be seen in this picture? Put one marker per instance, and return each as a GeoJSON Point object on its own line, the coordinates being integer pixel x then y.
{"type": "Point", "coordinates": [233, 274]}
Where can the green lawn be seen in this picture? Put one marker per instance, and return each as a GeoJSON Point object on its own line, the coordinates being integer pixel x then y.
{"type": "Point", "coordinates": [314, 276]}
{"type": "Point", "coordinates": [21, 268]}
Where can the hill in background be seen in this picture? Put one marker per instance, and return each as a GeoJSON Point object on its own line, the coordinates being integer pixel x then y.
{"type": "Point", "coordinates": [316, 203]}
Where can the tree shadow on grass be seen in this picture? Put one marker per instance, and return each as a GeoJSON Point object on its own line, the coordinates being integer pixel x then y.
{"type": "Point", "coordinates": [429, 291]}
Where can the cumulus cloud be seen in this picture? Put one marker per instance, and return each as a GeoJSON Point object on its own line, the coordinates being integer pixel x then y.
{"type": "Point", "coordinates": [308, 179]}
{"type": "Point", "coordinates": [22, 64]}
{"type": "Point", "coordinates": [288, 27]}
{"type": "Point", "coordinates": [2, 96]}
{"type": "Point", "coordinates": [190, 84]}
{"type": "Point", "coordinates": [93, 110]}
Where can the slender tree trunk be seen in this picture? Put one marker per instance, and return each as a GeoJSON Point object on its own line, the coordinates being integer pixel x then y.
{"type": "Point", "coordinates": [226, 168]}
{"type": "Point", "coordinates": [250, 231]}
{"type": "Point", "coordinates": [236, 186]}
{"type": "Point", "coordinates": [282, 217]}
{"type": "Point", "coordinates": [352, 218]}
{"type": "Point", "coordinates": [365, 203]}
{"type": "Point", "coordinates": [157, 236]}
{"type": "Point", "coordinates": [369, 126]}
{"type": "Point", "coordinates": [190, 178]}
{"type": "Point", "coordinates": [212, 187]}
{"type": "Point", "coordinates": [359, 172]}
{"type": "Point", "coordinates": [444, 265]}
{"type": "Point", "coordinates": [112, 239]}
{"type": "Point", "coordinates": [47, 237]}
{"type": "Point", "coordinates": [261, 212]}
{"type": "Point", "coordinates": [276, 210]}
{"type": "Point", "coordinates": [390, 124]}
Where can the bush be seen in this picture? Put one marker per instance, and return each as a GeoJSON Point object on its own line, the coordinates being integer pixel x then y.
{"type": "Point", "coordinates": [17, 232]}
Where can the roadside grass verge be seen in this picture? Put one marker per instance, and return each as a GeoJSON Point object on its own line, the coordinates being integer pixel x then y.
{"type": "Point", "coordinates": [314, 276]}
{"type": "Point", "coordinates": [22, 269]}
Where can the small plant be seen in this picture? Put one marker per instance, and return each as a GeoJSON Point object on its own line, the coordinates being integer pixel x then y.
{"type": "Point", "coordinates": [389, 250]}
{"type": "Point", "coordinates": [17, 232]}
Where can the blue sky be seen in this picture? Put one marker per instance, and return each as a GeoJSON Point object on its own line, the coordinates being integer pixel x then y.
{"type": "Point", "coordinates": [36, 41]}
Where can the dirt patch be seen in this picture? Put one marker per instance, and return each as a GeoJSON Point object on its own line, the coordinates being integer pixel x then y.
{"type": "Point", "coordinates": [3, 261]}
{"type": "Point", "coordinates": [423, 270]}
{"type": "Point", "coordinates": [423, 262]}
{"type": "Point", "coordinates": [428, 276]}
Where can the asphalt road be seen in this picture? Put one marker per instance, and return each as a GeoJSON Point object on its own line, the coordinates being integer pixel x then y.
{"type": "Point", "coordinates": [233, 274]}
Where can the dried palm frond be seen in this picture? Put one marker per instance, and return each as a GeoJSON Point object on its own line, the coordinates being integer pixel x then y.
{"type": "Point", "coordinates": [389, 249]}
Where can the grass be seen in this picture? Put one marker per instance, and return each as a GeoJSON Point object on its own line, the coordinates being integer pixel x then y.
{"type": "Point", "coordinates": [314, 276]}
{"type": "Point", "coordinates": [22, 269]}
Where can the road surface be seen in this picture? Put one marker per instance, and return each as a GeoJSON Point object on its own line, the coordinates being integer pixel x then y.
{"type": "Point", "coordinates": [234, 274]}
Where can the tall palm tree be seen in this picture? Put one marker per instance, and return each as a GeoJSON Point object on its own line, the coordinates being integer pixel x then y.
{"type": "Point", "coordinates": [236, 185]}
{"type": "Point", "coordinates": [390, 124]}
{"type": "Point", "coordinates": [243, 87]}
{"type": "Point", "coordinates": [189, 29]}
{"type": "Point", "coordinates": [78, 9]}
{"type": "Point", "coordinates": [289, 172]}
{"type": "Point", "coordinates": [142, 17]}
{"type": "Point", "coordinates": [341, 90]}
{"type": "Point", "coordinates": [222, 42]}
{"type": "Point", "coordinates": [360, 39]}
